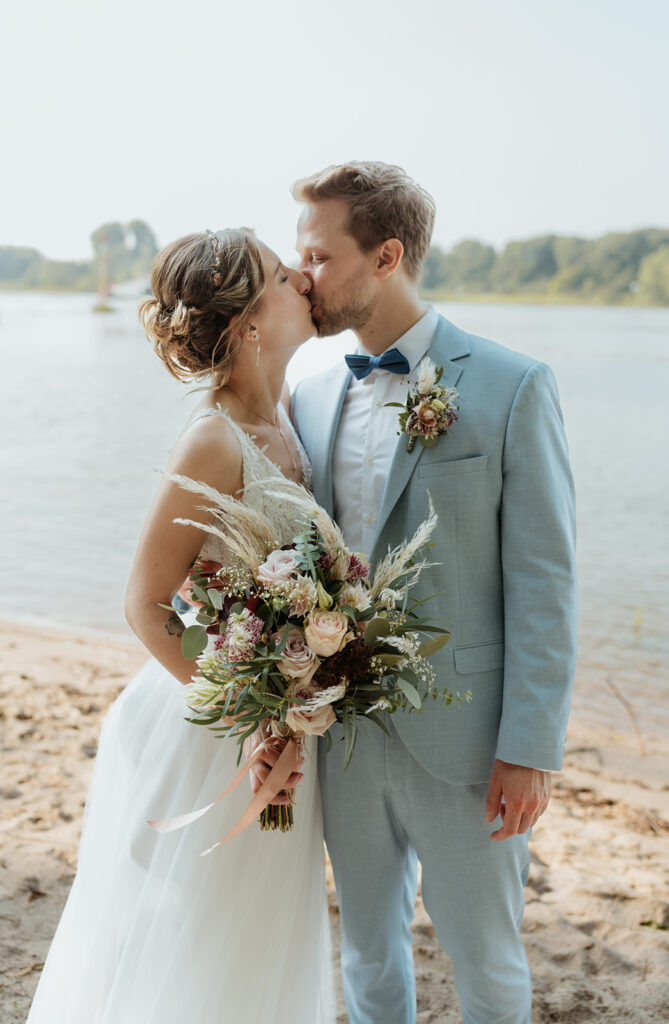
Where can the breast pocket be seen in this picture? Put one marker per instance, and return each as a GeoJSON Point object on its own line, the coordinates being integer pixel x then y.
{"type": "Point", "coordinates": [453, 467]}
{"type": "Point", "coordinates": [479, 657]}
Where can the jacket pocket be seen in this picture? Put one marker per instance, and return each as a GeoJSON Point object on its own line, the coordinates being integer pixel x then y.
{"type": "Point", "coordinates": [451, 467]}
{"type": "Point", "coordinates": [479, 657]}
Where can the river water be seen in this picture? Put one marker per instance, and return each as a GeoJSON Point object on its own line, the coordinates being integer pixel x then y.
{"type": "Point", "coordinates": [89, 414]}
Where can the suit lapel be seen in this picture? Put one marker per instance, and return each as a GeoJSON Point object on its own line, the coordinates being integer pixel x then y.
{"type": "Point", "coordinates": [448, 343]}
{"type": "Point", "coordinates": [326, 419]}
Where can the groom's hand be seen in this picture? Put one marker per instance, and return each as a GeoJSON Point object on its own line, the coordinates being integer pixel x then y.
{"type": "Point", "coordinates": [264, 763]}
{"type": "Point", "coordinates": [519, 794]}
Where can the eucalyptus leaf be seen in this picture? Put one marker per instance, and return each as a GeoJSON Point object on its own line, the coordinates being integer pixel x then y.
{"type": "Point", "coordinates": [193, 641]}
{"type": "Point", "coordinates": [431, 646]}
{"type": "Point", "coordinates": [410, 692]}
{"type": "Point", "coordinates": [200, 593]}
{"type": "Point", "coordinates": [376, 629]}
{"type": "Point", "coordinates": [215, 598]}
{"type": "Point", "coordinates": [389, 659]}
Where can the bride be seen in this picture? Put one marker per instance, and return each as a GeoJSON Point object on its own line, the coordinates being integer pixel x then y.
{"type": "Point", "coordinates": [153, 933]}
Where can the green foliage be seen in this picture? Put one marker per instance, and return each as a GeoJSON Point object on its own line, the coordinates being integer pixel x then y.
{"type": "Point", "coordinates": [193, 641]}
{"type": "Point", "coordinates": [15, 262]}
{"type": "Point", "coordinates": [654, 277]}
{"type": "Point", "coordinates": [128, 250]}
{"type": "Point", "coordinates": [524, 263]}
{"type": "Point", "coordinates": [622, 267]}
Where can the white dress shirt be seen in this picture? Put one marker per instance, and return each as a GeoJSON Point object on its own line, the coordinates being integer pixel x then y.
{"type": "Point", "coordinates": [367, 437]}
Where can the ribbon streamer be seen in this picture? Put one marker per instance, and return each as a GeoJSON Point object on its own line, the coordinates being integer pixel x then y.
{"type": "Point", "coordinates": [287, 763]}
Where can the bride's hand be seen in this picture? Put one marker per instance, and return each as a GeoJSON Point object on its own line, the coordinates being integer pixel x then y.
{"type": "Point", "coordinates": [264, 763]}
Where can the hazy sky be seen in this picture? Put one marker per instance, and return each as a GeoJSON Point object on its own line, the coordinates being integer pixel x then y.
{"type": "Point", "coordinates": [520, 116]}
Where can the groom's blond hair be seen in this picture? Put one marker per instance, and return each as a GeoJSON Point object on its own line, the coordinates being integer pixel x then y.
{"type": "Point", "coordinates": [384, 202]}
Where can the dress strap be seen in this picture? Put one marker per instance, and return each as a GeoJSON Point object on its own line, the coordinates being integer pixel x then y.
{"type": "Point", "coordinates": [257, 464]}
{"type": "Point", "coordinates": [244, 438]}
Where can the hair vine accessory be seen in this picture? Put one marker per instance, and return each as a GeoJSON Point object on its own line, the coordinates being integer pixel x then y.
{"type": "Point", "coordinates": [213, 238]}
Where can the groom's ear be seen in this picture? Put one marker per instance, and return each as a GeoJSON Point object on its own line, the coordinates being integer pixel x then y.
{"type": "Point", "coordinates": [389, 257]}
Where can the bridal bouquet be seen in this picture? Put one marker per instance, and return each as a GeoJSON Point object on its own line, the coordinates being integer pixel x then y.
{"type": "Point", "coordinates": [298, 637]}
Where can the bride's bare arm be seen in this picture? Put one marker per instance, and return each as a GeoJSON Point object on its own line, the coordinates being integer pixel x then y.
{"type": "Point", "coordinates": [208, 451]}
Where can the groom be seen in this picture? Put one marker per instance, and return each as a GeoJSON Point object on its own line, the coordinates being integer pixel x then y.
{"type": "Point", "coordinates": [457, 790]}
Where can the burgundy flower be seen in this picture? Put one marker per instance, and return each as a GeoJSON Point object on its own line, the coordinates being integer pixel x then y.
{"type": "Point", "coordinates": [358, 569]}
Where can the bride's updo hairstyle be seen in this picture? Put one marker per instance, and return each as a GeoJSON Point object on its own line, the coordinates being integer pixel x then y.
{"type": "Point", "coordinates": [199, 283]}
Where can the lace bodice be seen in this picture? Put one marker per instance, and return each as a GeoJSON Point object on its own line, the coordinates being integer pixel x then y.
{"type": "Point", "coordinates": [258, 466]}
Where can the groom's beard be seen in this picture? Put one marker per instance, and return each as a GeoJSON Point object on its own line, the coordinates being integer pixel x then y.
{"type": "Point", "coordinates": [352, 314]}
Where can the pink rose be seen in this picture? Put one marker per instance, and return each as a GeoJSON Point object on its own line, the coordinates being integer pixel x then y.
{"type": "Point", "coordinates": [327, 632]}
{"type": "Point", "coordinates": [298, 661]}
{"type": "Point", "coordinates": [314, 721]}
{"type": "Point", "coordinates": [278, 568]}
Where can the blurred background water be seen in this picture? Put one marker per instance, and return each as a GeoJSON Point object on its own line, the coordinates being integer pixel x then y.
{"type": "Point", "coordinates": [89, 415]}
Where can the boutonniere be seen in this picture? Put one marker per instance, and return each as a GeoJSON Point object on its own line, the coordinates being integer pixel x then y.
{"type": "Point", "coordinates": [430, 410]}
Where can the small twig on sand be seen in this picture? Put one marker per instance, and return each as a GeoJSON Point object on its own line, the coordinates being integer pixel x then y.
{"type": "Point", "coordinates": [630, 712]}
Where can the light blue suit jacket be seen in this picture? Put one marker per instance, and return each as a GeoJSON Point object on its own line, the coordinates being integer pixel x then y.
{"type": "Point", "coordinates": [503, 491]}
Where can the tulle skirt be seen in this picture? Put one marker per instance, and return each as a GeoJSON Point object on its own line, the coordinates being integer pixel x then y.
{"type": "Point", "coordinates": [153, 933]}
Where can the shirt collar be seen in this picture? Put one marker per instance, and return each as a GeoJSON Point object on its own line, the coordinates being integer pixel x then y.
{"type": "Point", "coordinates": [413, 344]}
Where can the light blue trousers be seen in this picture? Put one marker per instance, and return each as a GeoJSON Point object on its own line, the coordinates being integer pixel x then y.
{"type": "Point", "coordinates": [383, 814]}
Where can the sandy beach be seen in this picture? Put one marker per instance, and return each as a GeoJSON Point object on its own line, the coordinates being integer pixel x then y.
{"type": "Point", "coordinates": [597, 919]}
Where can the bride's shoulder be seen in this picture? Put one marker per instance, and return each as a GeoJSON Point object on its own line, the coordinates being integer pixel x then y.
{"type": "Point", "coordinates": [209, 449]}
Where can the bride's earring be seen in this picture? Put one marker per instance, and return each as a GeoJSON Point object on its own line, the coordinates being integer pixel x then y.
{"type": "Point", "coordinates": [254, 336]}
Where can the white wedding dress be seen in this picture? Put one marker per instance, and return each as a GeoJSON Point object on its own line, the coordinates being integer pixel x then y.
{"type": "Point", "coordinates": [153, 933]}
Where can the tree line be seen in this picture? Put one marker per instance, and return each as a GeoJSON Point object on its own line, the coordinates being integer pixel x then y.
{"type": "Point", "coordinates": [123, 252]}
{"type": "Point", "coordinates": [623, 267]}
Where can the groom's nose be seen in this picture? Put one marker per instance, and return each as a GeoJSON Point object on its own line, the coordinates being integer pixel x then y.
{"type": "Point", "coordinates": [306, 277]}
{"type": "Point", "coordinates": [303, 283]}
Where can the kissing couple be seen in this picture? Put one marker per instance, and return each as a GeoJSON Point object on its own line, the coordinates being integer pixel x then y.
{"type": "Point", "coordinates": [152, 933]}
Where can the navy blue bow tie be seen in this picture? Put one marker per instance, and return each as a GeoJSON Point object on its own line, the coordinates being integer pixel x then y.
{"type": "Point", "coordinates": [392, 360]}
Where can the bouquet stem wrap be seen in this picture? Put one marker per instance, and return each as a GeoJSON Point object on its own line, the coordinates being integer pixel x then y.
{"type": "Point", "coordinates": [287, 763]}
